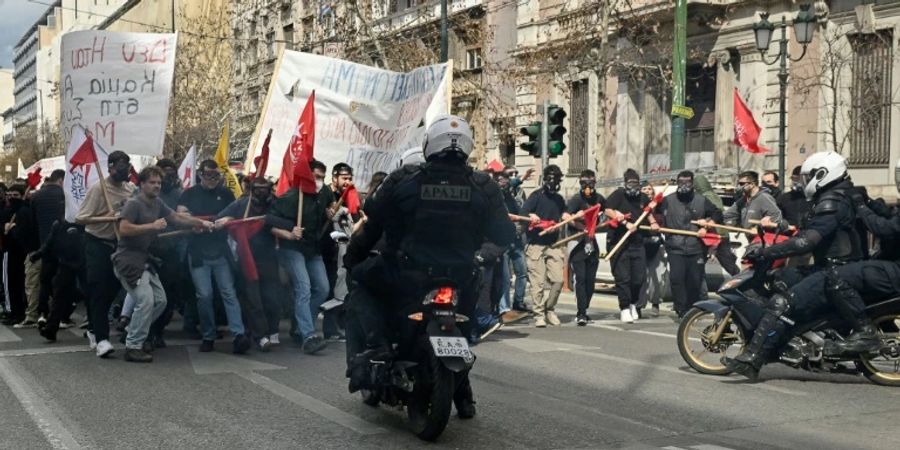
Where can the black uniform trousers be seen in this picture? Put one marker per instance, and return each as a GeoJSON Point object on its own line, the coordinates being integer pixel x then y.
{"type": "Point", "coordinates": [584, 272]}
{"type": "Point", "coordinates": [875, 280]}
{"type": "Point", "coordinates": [15, 284]}
{"type": "Point", "coordinates": [66, 282]}
{"type": "Point", "coordinates": [629, 267]}
{"type": "Point", "coordinates": [686, 274]}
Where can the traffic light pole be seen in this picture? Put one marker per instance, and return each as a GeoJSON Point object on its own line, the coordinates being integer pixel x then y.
{"type": "Point", "coordinates": [545, 136]}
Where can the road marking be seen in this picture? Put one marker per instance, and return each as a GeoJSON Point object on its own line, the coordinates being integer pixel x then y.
{"type": "Point", "coordinates": [41, 413]}
{"type": "Point", "coordinates": [709, 447]}
{"type": "Point", "coordinates": [313, 405]}
{"type": "Point", "coordinates": [215, 362]}
{"type": "Point", "coordinates": [7, 335]}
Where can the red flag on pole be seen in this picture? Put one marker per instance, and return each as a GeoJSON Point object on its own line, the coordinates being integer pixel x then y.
{"type": "Point", "coordinates": [34, 178]}
{"type": "Point", "coordinates": [241, 231]}
{"type": "Point", "coordinates": [261, 162]}
{"type": "Point", "coordinates": [350, 198]}
{"type": "Point", "coordinates": [590, 219]}
{"type": "Point", "coordinates": [746, 130]}
{"type": "Point", "coordinates": [295, 171]}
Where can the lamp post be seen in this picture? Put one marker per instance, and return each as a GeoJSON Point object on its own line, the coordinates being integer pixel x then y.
{"type": "Point", "coordinates": [804, 26]}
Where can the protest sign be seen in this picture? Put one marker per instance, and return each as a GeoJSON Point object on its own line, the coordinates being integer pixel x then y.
{"type": "Point", "coordinates": [117, 86]}
{"type": "Point", "coordinates": [365, 116]}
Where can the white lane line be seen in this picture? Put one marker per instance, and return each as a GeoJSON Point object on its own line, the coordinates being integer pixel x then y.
{"type": "Point", "coordinates": [7, 335]}
{"type": "Point", "coordinates": [52, 350]}
{"type": "Point", "coordinates": [709, 447]}
{"type": "Point", "coordinates": [313, 405]}
{"type": "Point", "coordinates": [41, 413]}
{"type": "Point", "coordinates": [677, 371]}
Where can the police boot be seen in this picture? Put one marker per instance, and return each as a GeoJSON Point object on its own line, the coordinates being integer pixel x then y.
{"type": "Point", "coordinates": [463, 398]}
{"type": "Point", "coordinates": [765, 341]}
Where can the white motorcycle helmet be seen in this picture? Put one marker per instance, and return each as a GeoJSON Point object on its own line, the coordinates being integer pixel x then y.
{"type": "Point", "coordinates": [412, 157]}
{"type": "Point", "coordinates": [448, 134]}
{"type": "Point", "coordinates": [821, 170]}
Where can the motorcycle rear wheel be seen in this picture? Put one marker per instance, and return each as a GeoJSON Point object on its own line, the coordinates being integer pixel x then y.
{"type": "Point", "coordinates": [694, 341]}
{"type": "Point", "coordinates": [884, 369]}
{"type": "Point", "coordinates": [431, 401]}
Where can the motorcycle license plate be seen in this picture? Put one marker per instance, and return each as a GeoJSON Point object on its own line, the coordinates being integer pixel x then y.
{"type": "Point", "coordinates": [450, 347]}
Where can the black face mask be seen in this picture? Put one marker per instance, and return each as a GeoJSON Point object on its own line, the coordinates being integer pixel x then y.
{"type": "Point", "coordinates": [633, 190]}
{"type": "Point", "coordinates": [170, 182]}
{"type": "Point", "coordinates": [685, 188]}
{"type": "Point", "coordinates": [552, 183]}
{"type": "Point", "coordinates": [121, 176]}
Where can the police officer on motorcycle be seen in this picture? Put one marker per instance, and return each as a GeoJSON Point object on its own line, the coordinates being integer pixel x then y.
{"type": "Point", "coordinates": [829, 235]}
{"type": "Point", "coordinates": [432, 218]}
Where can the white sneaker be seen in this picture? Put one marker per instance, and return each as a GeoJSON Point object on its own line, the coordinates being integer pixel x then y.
{"type": "Point", "coordinates": [92, 340]}
{"type": "Point", "coordinates": [626, 316]}
{"type": "Point", "coordinates": [273, 339]}
{"type": "Point", "coordinates": [104, 348]}
{"type": "Point", "coordinates": [264, 344]}
{"type": "Point", "coordinates": [634, 313]}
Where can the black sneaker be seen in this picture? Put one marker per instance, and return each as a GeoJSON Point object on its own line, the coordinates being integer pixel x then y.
{"type": "Point", "coordinates": [122, 323]}
{"type": "Point", "coordinates": [206, 346]}
{"type": "Point", "coordinates": [241, 344]}
{"type": "Point", "coordinates": [581, 321]}
{"type": "Point", "coordinates": [135, 355]}
{"type": "Point", "coordinates": [313, 344]}
{"type": "Point", "coordinates": [336, 338]}
{"type": "Point", "coordinates": [147, 346]}
{"type": "Point", "coordinates": [41, 323]}
{"type": "Point", "coordinates": [158, 342]}
{"type": "Point", "coordinates": [49, 335]}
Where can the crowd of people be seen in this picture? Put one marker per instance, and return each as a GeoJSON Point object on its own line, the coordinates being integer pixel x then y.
{"type": "Point", "coordinates": [129, 260]}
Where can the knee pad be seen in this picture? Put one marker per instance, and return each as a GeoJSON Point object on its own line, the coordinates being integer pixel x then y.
{"type": "Point", "coordinates": [779, 304]}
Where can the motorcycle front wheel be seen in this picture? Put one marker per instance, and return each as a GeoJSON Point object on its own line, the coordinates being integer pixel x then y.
{"type": "Point", "coordinates": [701, 348]}
{"type": "Point", "coordinates": [884, 367]}
{"type": "Point", "coordinates": [431, 401]}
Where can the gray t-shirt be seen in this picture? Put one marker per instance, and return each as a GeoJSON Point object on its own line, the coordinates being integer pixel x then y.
{"type": "Point", "coordinates": [130, 258]}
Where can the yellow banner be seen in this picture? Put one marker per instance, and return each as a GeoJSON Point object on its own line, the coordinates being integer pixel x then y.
{"type": "Point", "coordinates": [230, 178]}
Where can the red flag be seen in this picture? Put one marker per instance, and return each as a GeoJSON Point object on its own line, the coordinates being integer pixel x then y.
{"type": "Point", "coordinates": [495, 166]}
{"type": "Point", "coordinates": [590, 219]}
{"type": "Point", "coordinates": [261, 162]}
{"type": "Point", "coordinates": [541, 225]}
{"type": "Point", "coordinates": [85, 155]}
{"type": "Point", "coordinates": [295, 171]}
{"type": "Point", "coordinates": [34, 178]}
{"type": "Point", "coordinates": [746, 130]}
{"type": "Point", "coordinates": [241, 232]}
{"type": "Point", "coordinates": [133, 175]}
{"type": "Point", "coordinates": [350, 199]}
{"type": "Point", "coordinates": [657, 199]}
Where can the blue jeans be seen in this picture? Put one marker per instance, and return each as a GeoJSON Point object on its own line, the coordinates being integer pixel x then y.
{"type": "Point", "coordinates": [203, 275]}
{"type": "Point", "coordinates": [149, 303]}
{"type": "Point", "coordinates": [310, 282]}
{"type": "Point", "coordinates": [516, 258]}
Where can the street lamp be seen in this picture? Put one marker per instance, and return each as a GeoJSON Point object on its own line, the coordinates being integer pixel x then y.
{"type": "Point", "coordinates": [804, 27]}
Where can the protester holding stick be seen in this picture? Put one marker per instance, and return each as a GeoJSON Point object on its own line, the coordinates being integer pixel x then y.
{"type": "Point", "coordinates": [584, 257]}
{"type": "Point", "coordinates": [545, 263]}
{"type": "Point", "coordinates": [628, 264]}
{"type": "Point", "coordinates": [687, 254]}
{"type": "Point", "coordinates": [100, 240]}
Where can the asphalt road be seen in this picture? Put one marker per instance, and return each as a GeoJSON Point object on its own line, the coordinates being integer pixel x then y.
{"type": "Point", "coordinates": [607, 385]}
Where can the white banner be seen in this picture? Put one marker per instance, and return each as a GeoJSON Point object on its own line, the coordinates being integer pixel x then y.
{"type": "Point", "coordinates": [47, 166]}
{"type": "Point", "coordinates": [117, 86]}
{"type": "Point", "coordinates": [186, 169]}
{"type": "Point", "coordinates": [365, 116]}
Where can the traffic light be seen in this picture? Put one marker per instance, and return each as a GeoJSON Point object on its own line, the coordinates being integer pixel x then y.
{"type": "Point", "coordinates": [533, 146]}
{"type": "Point", "coordinates": [555, 130]}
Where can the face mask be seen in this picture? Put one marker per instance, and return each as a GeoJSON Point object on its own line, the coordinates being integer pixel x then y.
{"type": "Point", "coordinates": [170, 182]}
{"type": "Point", "coordinates": [632, 190]}
{"type": "Point", "coordinates": [121, 176]}
{"type": "Point", "coordinates": [319, 185]}
{"type": "Point", "coordinates": [551, 183]}
{"type": "Point", "coordinates": [587, 187]}
{"type": "Point", "coordinates": [685, 188]}
{"type": "Point", "coordinates": [748, 188]}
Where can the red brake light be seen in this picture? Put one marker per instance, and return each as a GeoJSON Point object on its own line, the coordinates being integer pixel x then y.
{"type": "Point", "coordinates": [444, 296]}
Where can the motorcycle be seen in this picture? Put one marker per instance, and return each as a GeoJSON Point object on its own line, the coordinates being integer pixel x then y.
{"type": "Point", "coordinates": [724, 326]}
{"type": "Point", "coordinates": [431, 357]}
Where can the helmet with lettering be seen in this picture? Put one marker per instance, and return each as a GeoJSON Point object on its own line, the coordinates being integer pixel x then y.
{"type": "Point", "coordinates": [822, 170]}
{"type": "Point", "coordinates": [448, 135]}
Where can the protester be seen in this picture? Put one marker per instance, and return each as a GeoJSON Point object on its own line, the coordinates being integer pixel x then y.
{"type": "Point", "coordinates": [100, 240]}
{"type": "Point", "coordinates": [339, 219]}
{"type": "Point", "coordinates": [545, 262]}
{"type": "Point", "coordinates": [142, 218]}
{"type": "Point", "coordinates": [756, 204]}
{"type": "Point", "coordinates": [22, 232]}
{"type": "Point", "coordinates": [723, 253]}
{"type": "Point", "coordinates": [770, 184]}
{"type": "Point", "coordinates": [687, 254]}
{"type": "Point", "coordinates": [515, 183]}
{"type": "Point", "coordinates": [513, 309]}
{"type": "Point", "coordinates": [210, 259]}
{"type": "Point", "coordinates": [793, 204]}
{"type": "Point", "coordinates": [584, 257]}
{"type": "Point", "coordinates": [301, 256]}
{"type": "Point", "coordinates": [260, 301]}
{"type": "Point", "coordinates": [14, 256]}
{"type": "Point", "coordinates": [625, 205]}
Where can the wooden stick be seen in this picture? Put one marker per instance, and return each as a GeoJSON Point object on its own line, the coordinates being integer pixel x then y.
{"type": "Point", "coordinates": [574, 217]}
{"type": "Point", "coordinates": [299, 206]}
{"type": "Point", "coordinates": [758, 222]}
{"type": "Point", "coordinates": [570, 238]}
{"type": "Point", "coordinates": [249, 202]}
{"type": "Point", "coordinates": [519, 218]}
{"type": "Point", "coordinates": [671, 231]}
{"type": "Point", "coordinates": [191, 230]}
{"type": "Point", "coordinates": [628, 234]}
{"type": "Point", "coordinates": [728, 227]}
